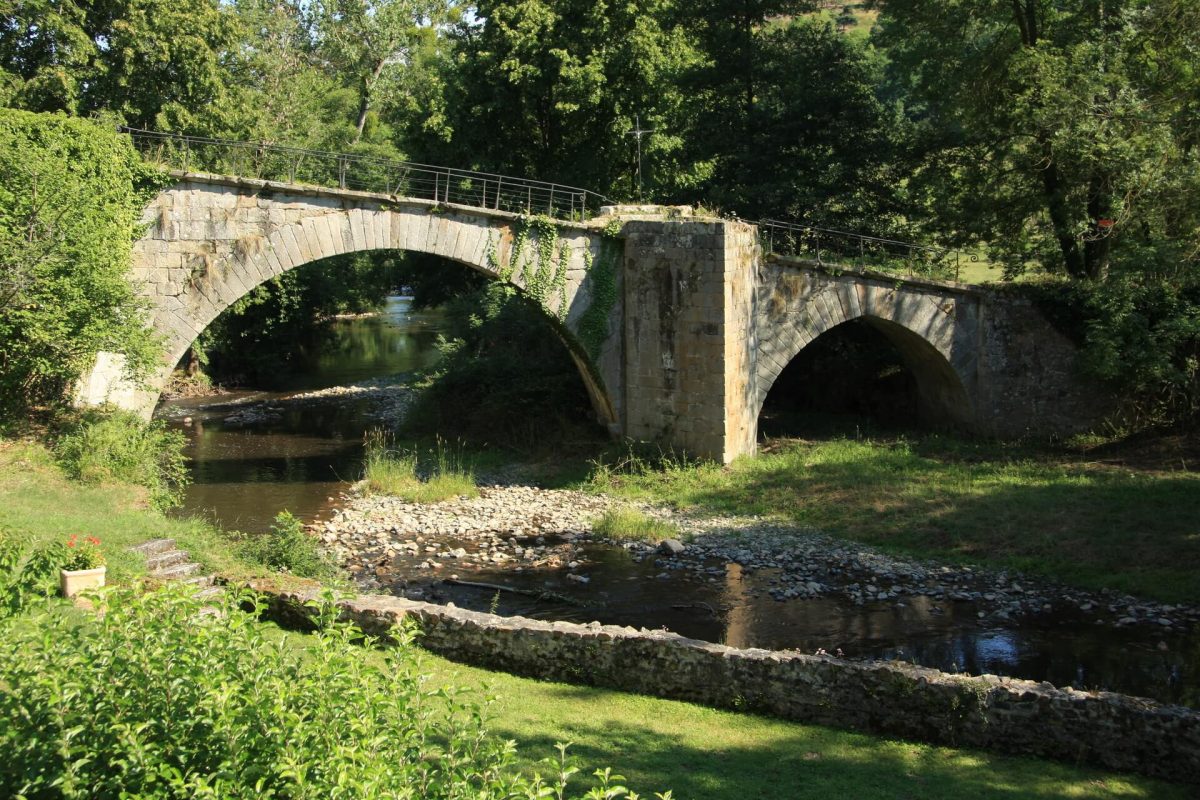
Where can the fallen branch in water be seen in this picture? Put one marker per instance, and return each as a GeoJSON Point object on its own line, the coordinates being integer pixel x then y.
{"type": "Point", "coordinates": [537, 594]}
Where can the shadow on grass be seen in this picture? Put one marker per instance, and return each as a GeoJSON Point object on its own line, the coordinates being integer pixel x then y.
{"type": "Point", "coordinates": [801, 762]}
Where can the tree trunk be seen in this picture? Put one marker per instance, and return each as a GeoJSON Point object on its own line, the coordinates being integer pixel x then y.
{"type": "Point", "coordinates": [364, 104]}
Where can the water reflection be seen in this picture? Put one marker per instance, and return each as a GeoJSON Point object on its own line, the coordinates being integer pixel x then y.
{"type": "Point", "coordinates": [300, 456]}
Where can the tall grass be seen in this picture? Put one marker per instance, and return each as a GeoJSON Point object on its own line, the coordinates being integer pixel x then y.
{"type": "Point", "coordinates": [118, 447]}
{"type": "Point", "coordinates": [631, 525]}
{"type": "Point", "coordinates": [441, 475]}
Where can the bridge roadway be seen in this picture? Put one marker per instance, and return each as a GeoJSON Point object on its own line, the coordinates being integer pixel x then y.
{"type": "Point", "coordinates": [678, 323]}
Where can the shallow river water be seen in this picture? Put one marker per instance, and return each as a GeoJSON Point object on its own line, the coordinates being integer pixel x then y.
{"type": "Point", "coordinates": [254, 454]}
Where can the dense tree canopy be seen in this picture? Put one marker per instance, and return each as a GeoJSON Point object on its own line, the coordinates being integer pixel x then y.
{"type": "Point", "coordinates": [1060, 133]}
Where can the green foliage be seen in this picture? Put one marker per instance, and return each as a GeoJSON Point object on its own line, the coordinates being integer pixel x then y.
{"type": "Point", "coordinates": [1143, 339]}
{"type": "Point", "coordinates": [1060, 134]}
{"type": "Point", "coordinates": [26, 573]}
{"type": "Point", "coordinates": [152, 62]}
{"type": "Point", "coordinates": [551, 88]}
{"type": "Point", "coordinates": [117, 446]}
{"type": "Point", "coordinates": [442, 475]}
{"type": "Point", "coordinates": [158, 700]}
{"type": "Point", "coordinates": [632, 525]}
{"type": "Point", "coordinates": [505, 376]}
{"type": "Point", "coordinates": [69, 206]}
{"type": "Point", "coordinates": [288, 548]}
{"type": "Point", "coordinates": [602, 273]}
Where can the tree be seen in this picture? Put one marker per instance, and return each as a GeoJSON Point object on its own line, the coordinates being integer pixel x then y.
{"type": "Point", "coordinates": [65, 293]}
{"type": "Point", "coordinates": [550, 88]}
{"type": "Point", "coordinates": [822, 142]}
{"type": "Point", "coordinates": [1062, 133]}
{"type": "Point", "coordinates": [372, 43]}
{"type": "Point", "coordinates": [152, 62]}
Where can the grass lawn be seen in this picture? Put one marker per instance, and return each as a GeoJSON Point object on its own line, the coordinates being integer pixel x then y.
{"type": "Point", "coordinates": [1088, 524]}
{"type": "Point", "coordinates": [699, 752]}
{"type": "Point", "coordinates": [40, 504]}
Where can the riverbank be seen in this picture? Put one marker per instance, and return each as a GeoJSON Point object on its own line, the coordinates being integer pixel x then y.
{"type": "Point", "coordinates": [698, 751]}
{"type": "Point", "coordinates": [1065, 517]}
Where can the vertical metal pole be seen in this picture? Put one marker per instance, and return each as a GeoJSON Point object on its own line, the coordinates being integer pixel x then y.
{"type": "Point", "coordinates": [499, 181]}
{"type": "Point", "coordinates": [529, 200]}
{"type": "Point", "coordinates": [551, 213]}
{"type": "Point", "coordinates": [187, 156]}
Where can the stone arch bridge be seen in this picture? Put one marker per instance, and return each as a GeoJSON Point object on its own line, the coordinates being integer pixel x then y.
{"type": "Point", "coordinates": [679, 324]}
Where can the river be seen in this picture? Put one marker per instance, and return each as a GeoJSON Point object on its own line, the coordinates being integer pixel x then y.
{"type": "Point", "coordinates": [255, 453]}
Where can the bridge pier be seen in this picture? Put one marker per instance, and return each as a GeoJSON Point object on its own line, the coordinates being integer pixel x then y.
{"type": "Point", "coordinates": [689, 335]}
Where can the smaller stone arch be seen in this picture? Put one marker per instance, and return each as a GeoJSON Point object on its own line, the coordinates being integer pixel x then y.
{"type": "Point", "coordinates": [931, 328]}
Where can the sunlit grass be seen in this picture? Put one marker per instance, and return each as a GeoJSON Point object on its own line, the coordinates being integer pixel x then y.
{"type": "Point", "coordinates": [700, 752]}
{"type": "Point", "coordinates": [398, 473]}
{"type": "Point", "coordinates": [39, 504]}
{"type": "Point", "coordinates": [631, 525]}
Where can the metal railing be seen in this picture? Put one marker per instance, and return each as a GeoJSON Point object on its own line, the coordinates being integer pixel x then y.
{"type": "Point", "coordinates": [842, 248]}
{"type": "Point", "coordinates": [366, 173]}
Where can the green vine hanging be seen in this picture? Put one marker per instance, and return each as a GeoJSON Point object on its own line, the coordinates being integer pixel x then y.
{"type": "Point", "coordinates": [593, 325]}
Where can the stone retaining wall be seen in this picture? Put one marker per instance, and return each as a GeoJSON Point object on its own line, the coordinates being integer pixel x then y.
{"type": "Point", "coordinates": [1015, 716]}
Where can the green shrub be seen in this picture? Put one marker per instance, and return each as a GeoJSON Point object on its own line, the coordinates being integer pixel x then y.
{"type": "Point", "coordinates": [397, 473]}
{"type": "Point", "coordinates": [631, 525]}
{"type": "Point", "coordinates": [26, 574]}
{"type": "Point", "coordinates": [70, 200]}
{"type": "Point", "coordinates": [156, 699]}
{"type": "Point", "coordinates": [119, 446]}
{"type": "Point", "coordinates": [288, 548]}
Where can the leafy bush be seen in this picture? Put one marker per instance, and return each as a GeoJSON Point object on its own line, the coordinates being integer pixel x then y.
{"type": "Point", "coordinates": [287, 547]}
{"type": "Point", "coordinates": [1140, 337]}
{"type": "Point", "coordinates": [157, 700]}
{"type": "Point", "coordinates": [25, 574]}
{"type": "Point", "coordinates": [397, 473]}
{"type": "Point", "coordinates": [119, 446]}
{"type": "Point", "coordinates": [69, 205]}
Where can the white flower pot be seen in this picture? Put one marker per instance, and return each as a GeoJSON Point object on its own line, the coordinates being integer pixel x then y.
{"type": "Point", "coordinates": [74, 581]}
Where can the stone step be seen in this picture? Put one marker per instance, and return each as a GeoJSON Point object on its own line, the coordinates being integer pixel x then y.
{"type": "Point", "coordinates": [176, 572]}
{"type": "Point", "coordinates": [153, 546]}
{"type": "Point", "coordinates": [201, 580]}
{"type": "Point", "coordinates": [209, 592]}
{"type": "Point", "coordinates": [168, 558]}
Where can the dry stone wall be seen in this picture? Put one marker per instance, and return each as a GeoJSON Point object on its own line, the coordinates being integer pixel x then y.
{"type": "Point", "coordinates": [1014, 716]}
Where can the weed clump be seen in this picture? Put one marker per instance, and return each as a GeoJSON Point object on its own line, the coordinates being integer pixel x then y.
{"type": "Point", "coordinates": [442, 475]}
{"type": "Point", "coordinates": [631, 525]}
{"type": "Point", "coordinates": [118, 447]}
{"type": "Point", "coordinates": [287, 548]}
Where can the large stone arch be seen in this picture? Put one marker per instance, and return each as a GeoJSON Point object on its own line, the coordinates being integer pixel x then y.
{"type": "Point", "coordinates": [209, 240]}
{"type": "Point", "coordinates": [934, 328]}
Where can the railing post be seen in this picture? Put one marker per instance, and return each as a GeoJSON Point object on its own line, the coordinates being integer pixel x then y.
{"type": "Point", "coordinates": [499, 183]}
{"type": "Point", "coordinates": [187, 157]}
